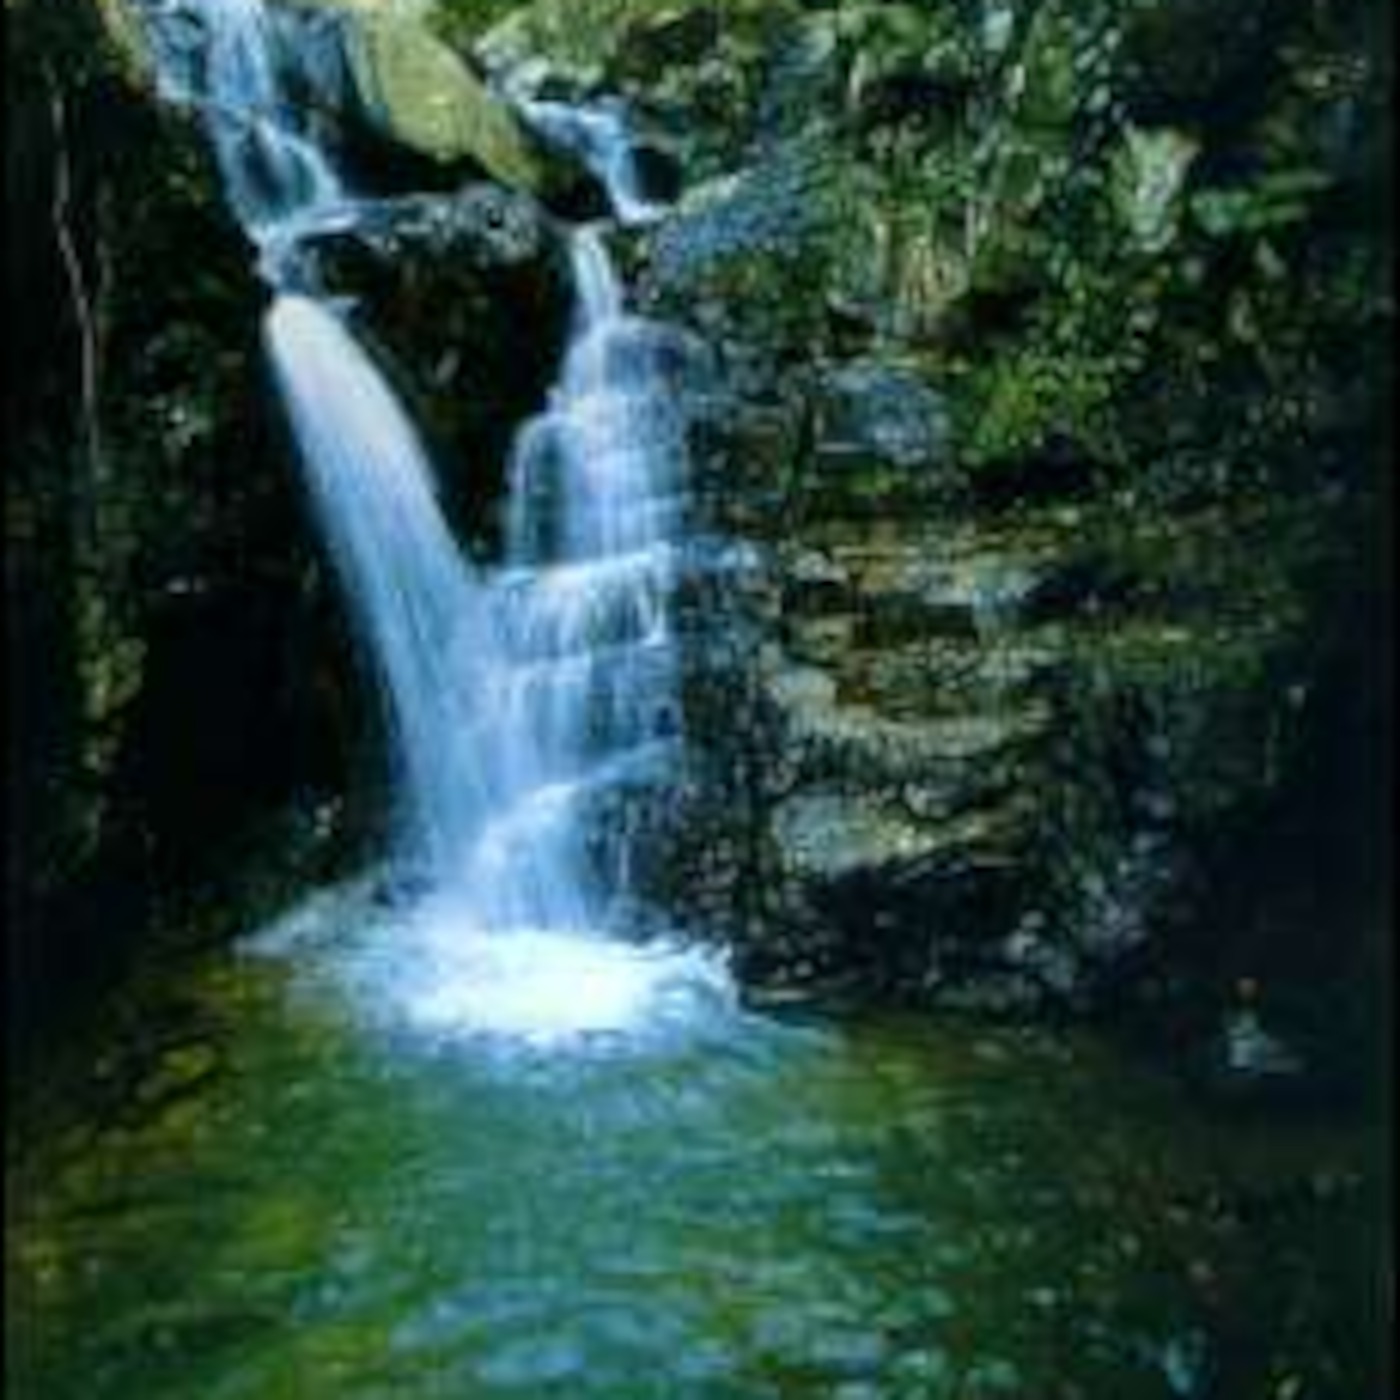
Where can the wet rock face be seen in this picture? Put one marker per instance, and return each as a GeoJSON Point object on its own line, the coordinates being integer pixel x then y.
{"type": "Point", "coordinates": [468, 295]}
{"type": "Point", "coordinates": [172, 678]}
{"type": "Point", "coordinates": [1017, 645]}
{"type": "Point", "coordinates": [752, 259]}
{"type": "Point", "coordinates": [879, 410]}
{"type": "Point", "coordinates": [490, 228]}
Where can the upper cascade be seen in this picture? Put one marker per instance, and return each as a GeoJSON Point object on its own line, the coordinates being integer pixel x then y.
{"type": "Point", "coordinates": [598, 135]}
{"type": "Point", "coordinates": [222, 57]}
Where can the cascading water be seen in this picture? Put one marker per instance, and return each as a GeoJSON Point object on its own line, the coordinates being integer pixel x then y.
{"type": "Point", "coordinates": [598, 136]}
{"type": "Point", "coordinates": [239, 1199]}
{"type": "Point", "coordinates": [221, 57]}
{"type": "Point", "coordinates": [515, 698]}
{"type": "Point", "coordinates": [585, 680]}
{"type": "Point", "coordinates": [412, 596]}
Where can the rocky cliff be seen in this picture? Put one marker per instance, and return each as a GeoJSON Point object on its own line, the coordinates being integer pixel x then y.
{"type": "Point", "coordinates": [155, 566]}
{"type": "Point", "coordinates": [1039, 653]}
{"type": "Point", "coordinates": [1049, 408]}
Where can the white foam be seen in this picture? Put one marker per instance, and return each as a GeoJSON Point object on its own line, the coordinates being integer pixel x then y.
{"type": "Point", "coordinates": [427, 968]}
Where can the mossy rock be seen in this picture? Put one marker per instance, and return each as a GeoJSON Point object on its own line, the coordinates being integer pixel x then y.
{"type": "Point", "coordinates": [752, 256]}
{"type": "Point", "coordinates": [696, 66]}
{"type": "Point", "coordinates": [417, 93]}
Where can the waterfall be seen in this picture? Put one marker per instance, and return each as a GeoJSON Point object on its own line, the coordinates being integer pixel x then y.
{"type": "Point", "coordinates": [222, 56]}
{"type": "Point", "coordinates": [598, 136]}
{"type": "Point", "coordinates": [584, 685]}
{"type": "Point", "coordinates": [412, 596]}
{"type": "Point", "coordinates": [515, 696]}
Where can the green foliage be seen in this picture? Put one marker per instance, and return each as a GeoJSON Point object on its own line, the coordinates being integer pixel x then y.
{"type": "Point", "coordinates": [1276, 199]}
{"type": "Point", "coordinates": [1023, 401]}
{"type": "Point", "coordinates": [461, 22]}
{"type": "Point", "coordinates": [1164, 282]}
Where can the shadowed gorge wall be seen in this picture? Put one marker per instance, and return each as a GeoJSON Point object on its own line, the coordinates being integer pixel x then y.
{"type": "Point", "coordinates": [170, 682]}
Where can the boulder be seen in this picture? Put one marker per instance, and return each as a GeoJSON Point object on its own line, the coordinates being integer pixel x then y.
{"type": "Point", "coordinates": [416, 92]}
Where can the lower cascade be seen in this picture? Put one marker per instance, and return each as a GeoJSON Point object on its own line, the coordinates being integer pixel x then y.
{"type": "Point", "coordinates": [515, 696]}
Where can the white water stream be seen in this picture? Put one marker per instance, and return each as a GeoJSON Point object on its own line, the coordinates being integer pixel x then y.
{"type": "Point", "coordinates": [515, 696]}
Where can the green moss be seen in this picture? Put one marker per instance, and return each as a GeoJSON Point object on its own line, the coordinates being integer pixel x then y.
{"type": "Point", "coordinates": [593, 33]}
{"type": "Point", "coordinates": [1033, 397]}
{"type": "Point", "coordinates": [423, 96]}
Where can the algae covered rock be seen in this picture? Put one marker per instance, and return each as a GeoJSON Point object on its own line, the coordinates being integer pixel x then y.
{"type": "Point", "coordinates": [418, 93]}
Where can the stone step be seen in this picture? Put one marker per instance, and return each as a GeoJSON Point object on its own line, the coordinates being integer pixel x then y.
{"type": "Point", "coordinates": [825, 836]}
{"type": "Point", "coordinates": [953, 758]}
{"type": "Point", "coordinates": [898, 592]}
{"type": "Point", "coordinates": [937, 678]}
